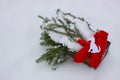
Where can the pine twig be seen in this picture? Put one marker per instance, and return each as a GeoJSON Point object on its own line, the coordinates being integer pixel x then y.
{"type": "Point", "coordinates": [59, 53]}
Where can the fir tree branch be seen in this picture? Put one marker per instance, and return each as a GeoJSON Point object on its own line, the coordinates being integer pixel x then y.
{"type": "Point", "coordinates": [55, 56]}
{"type": "Point", "coordinates": [58, 53]}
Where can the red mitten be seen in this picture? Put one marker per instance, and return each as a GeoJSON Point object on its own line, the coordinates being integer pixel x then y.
{"type": "Point", "coordinates": [101, 41]}
{"type": "Point", "coordinates": [83, 53]}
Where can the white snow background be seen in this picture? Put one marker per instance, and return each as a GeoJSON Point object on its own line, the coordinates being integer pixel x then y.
{"type": "Point", "coordinates": [20, 38]}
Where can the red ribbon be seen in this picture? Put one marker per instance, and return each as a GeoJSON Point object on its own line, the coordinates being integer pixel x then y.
{"type": "Point", "coordinates": [96, 58]}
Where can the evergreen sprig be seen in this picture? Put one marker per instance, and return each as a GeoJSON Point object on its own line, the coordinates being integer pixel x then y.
{"type": "Point", "coordinates": [65, 23]}
{"type": "Point", "coordinates": [59, 53]}
{"type": "Point", "coordinates": [55, 56]}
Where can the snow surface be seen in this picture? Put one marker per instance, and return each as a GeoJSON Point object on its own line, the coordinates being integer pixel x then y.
{"type": "Point", "coordinates": [20, 38]}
